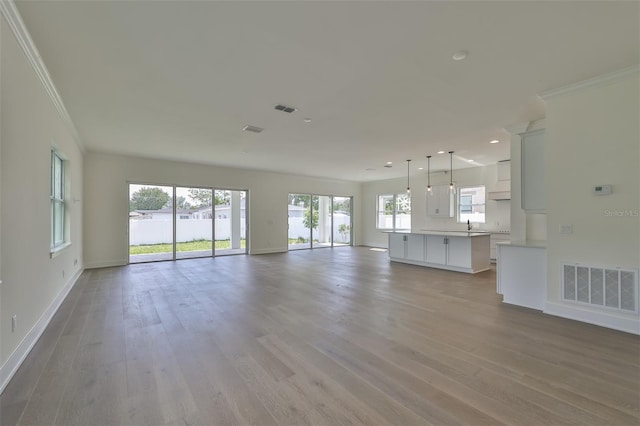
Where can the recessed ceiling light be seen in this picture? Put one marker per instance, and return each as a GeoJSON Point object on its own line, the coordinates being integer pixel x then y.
{"type": "Point", "coordinates": [460, 55]}
{"type": "Point", "coordinates": [307, 120]}
{"type": "Point", "coordinates": [389, 162]}
{"type": "Point", "coordinates": [440, 152]}
{"type": "Point", "coordinates": [494, 141]}
{"type": "Point", "coordinates": [470, 161]}
{"type": "Point", "coordinates": [420, 168]}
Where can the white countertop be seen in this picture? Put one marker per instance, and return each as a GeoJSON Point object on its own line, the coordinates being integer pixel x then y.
{"type": "Point", "coordinates": [443, 233]}
{"type": "Point", "coordinates": [523, 243]}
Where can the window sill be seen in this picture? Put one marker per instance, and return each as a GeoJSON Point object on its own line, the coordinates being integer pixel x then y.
{"type": "Point", "coordinates": [56, 251]}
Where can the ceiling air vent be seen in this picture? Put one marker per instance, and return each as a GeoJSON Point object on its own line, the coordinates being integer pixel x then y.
{"type": "Point", "coordinates": [285, 108]}
{"type": "Point", "coordinates": [254, 129]}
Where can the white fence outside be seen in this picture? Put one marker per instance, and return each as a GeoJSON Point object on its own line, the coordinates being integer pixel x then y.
{"type": "Point", "coordinates": [142, 232]}
{"type": "Point", "coordinates": [297, 229]}
{"type": "Point", "coordinates": [385, 221]}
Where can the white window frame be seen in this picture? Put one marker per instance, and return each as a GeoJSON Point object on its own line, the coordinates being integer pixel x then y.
{"type": "Point", "coordinates": [460, 204]}
{"type": "Point", "coordinates": [57, 196]}
{"type": "Point", "coordinates": [395, 213]}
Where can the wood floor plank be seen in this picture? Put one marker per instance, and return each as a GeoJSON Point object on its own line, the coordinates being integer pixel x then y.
{"type": "Point", "coordinates": [331, 337]}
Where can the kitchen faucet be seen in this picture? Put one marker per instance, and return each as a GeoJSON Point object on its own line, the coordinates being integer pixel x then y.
{"type": "Point", "coordinates": [468, 225]}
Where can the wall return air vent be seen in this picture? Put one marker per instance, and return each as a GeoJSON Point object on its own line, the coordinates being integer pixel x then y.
{"type": "Point", "coordinates": [607, 288]}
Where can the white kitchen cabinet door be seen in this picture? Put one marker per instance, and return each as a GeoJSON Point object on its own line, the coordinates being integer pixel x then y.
{"type": "Point", "coordinates": [415, 247]}
{"type": "Point", "coordinates": [534, 194]}
{"type": "Point", "coordinates": [504, 170]}
{"type": "Point", "coordinates": [397, 245]}
{"type": "Point", "coordinates": [459, 252]}
{"type": "Point", "coordinates": [436, 249]}
{"type": "Point", "coordinates": [440, 201]}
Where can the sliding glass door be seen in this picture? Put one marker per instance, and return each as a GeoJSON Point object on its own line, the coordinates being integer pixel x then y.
{"type": "Point", "coordinates": [150, 223]}
{"type": "Point", "coordinates": [300, 218]}
{"type": "Point", "coordinates": [230, 222]}
{"type": "Point", "coordinates": [194, 230]}
{"type": "Point", "coordinates": [202, 222]}
{"type": "Point", "coordinates": [322, 231]}
{"type": "Point", "coordinates": [317, 221]}
{"type": "Point", "coordinates": [341, 221]}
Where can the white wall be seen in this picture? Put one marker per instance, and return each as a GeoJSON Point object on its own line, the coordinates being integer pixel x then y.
{"type": "Point", "coordinates": [32, 281]}
{"type": "Point", "coordinates": [593, 138]}
{"type": "Point", "coordinates": [497, 212]}
{"type": "Point", "coordinates": [106, 200]}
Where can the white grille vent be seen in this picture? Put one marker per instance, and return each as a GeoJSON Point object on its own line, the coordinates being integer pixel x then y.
{"type": "Point", "coordinates": [610, 288]}
{"type": "Point", "coordinates": [285, 108]}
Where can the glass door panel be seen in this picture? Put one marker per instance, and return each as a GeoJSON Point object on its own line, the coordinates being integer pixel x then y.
{"type": "Point", "coordinates": [299, 211]}
{"type": "Point", "coordinates": [341, 221]}
{"type": "Point", "coordinates": [194, 222]}
{"type": "Point", "coordinates": [230, 222]}
{"type": "Point", "coordinates": [150, 223]}
{"type": "Point", "coordinates": [321, 229]}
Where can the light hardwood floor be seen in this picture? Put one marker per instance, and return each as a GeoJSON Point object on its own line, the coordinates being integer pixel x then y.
{"type": "Point", "coordinates": [323, 337]}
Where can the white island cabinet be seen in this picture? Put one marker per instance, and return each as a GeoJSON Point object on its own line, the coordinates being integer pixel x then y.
{"type": "Point", "coordinates": [522, 273]}
{"type": "Point", "coordinates": [457, 251]}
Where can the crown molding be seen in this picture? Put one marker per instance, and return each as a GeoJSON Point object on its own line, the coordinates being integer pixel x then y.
{"type": "Point", "coordinates": [516, 129]}
{"type": "Point", "coordinates": [15, 22]}
{"type": "Point", "coordinates": [595, 81]}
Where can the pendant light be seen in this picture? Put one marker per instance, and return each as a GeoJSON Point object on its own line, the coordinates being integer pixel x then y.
{"type": "Point", "coordinates": [408, 187]}
{"type": "Point", "coordinates": [429, 174]}
{"type": "Point", "coordinates": [451, 186]}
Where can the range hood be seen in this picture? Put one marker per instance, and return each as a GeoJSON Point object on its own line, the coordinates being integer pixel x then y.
{"type": "Point", "coordinates": [502, 189]}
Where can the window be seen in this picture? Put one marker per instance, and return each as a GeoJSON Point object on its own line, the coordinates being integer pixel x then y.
{"type": "Point", "coordinates": [394, 211]}
{"type": "Point", "coordinates": [57, 201]}
{"type": "Point", "coordinates": [471, 204]}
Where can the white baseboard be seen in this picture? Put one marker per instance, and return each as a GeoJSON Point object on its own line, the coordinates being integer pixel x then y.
{"type": "Point", "coordinates": [105, 264]}
{"type": "Point", "coordinates": [20, 353]}
{"type": "Point", "coordinates": [629, 324]}
{"type": "Point", "coordinates": [270, 250]}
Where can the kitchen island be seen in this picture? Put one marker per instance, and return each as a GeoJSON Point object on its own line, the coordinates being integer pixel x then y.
{"type": "Point", "coordinates": [522, 273]}
{"type": "Point", "coordinates": [459, 251]}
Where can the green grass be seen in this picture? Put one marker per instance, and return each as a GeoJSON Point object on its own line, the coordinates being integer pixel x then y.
{"type": "Point", "coordinates": [188, 246]}
{"type": "Point", "coordinates": [298, 240]}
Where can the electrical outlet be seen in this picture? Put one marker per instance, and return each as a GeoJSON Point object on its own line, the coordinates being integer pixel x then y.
{"type": "Point", "coordinates": [14, 323]}
{"type": "Point", "coordinates": [565, 229]}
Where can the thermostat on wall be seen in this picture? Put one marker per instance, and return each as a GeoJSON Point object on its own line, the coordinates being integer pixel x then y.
{"type": "Point", "coordinates": [602, 189]}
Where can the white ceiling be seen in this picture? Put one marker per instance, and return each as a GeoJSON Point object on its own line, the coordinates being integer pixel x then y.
{"type": "Point", "coordinates": [180, 79]}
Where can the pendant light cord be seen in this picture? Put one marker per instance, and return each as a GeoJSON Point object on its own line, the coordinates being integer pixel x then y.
{"type": "Point", "coordinates": [408, 187]}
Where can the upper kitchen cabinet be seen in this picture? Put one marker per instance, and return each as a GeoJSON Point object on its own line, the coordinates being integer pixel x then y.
{"type": "Point", "coordinates": [502, 188]}
{"type": "Point", "coordinates": [440, 202]}
{"type": "Point", "coordinates": [533, 172]}
{"type": "Point", "coordinates": [504, 170]}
